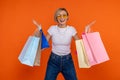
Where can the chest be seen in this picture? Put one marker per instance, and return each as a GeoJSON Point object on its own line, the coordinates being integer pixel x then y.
{"type": "Point", "coordinates": [62, 37]}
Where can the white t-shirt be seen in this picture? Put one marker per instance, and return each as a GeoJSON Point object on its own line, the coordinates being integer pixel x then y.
{"type": "Point", "coordinates": [61, 39]}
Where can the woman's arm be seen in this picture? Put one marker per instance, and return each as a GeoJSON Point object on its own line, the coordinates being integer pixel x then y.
{"type": "Point", "coordinates": [48, 36]}
{"type": "Point", "coordinates": [76, 37]}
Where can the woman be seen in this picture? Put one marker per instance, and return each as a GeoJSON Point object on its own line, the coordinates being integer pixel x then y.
{"type": "Point", "coordinates": [60, 59]}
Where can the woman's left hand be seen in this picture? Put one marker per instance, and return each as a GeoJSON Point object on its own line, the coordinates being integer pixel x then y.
{"type": "Point", "coordinates": [88, 27]}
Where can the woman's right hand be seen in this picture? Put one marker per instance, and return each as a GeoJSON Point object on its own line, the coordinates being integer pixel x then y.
{"type": "Point", "coordinates": [37, 25]}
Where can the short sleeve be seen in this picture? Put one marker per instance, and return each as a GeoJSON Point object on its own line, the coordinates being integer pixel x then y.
{"type": "Point", "coordinates": [73, 30]}
{"type": "Point", "coordinates": [50, 30]}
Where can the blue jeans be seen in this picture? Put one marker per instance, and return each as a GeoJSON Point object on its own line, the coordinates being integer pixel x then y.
{"type": "Point", "coordinates": [63, 64]}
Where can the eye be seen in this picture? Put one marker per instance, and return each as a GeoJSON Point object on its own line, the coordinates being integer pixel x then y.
{"type": "Point", "coordinates": [64, 16]}
{"type": "Point", "coordinates": [59, 16]}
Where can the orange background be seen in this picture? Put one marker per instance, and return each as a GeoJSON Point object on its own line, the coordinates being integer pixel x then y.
{"type": "Point", "coordinates": [16, 25]}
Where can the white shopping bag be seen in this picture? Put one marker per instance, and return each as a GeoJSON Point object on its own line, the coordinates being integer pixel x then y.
{"type": "Point", "coordinates": [29, 51]}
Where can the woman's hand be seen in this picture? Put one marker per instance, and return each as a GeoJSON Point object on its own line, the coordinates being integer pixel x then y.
{"type": "Point", "coordinates": [88, 27]}
{"type": "Point", "coordinates": [38, 25]}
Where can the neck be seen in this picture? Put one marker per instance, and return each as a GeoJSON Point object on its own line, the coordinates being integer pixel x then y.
{"type": "Point", "coordinates": [62, 25]}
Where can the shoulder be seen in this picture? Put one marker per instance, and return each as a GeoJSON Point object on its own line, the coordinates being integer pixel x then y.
{"type": "Point", "coordinates": [72, 30]}
{"type": "Point", "coordinates": [71, 27]}
{"type": "Point", "coordinates": [52, 27]}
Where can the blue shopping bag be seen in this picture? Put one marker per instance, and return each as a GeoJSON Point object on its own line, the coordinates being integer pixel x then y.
{"type": "Point", "coordinates": [44, 42]}
{"type": "Point", "coordinates": [29, 51]}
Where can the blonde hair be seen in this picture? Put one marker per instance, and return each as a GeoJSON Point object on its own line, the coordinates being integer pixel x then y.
{"type": "Point", "coordinates": [57, 11]}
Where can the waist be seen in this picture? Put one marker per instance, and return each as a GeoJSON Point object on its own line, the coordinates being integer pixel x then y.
{"type": "Point", "coordinates": [60, 56]}
{"type": "Point", "coordinates": [61, 50]}
{"type": "Point", "coordinates": [60, 59]}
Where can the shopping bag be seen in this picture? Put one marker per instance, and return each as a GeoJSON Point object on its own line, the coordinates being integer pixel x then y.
{"type": "Point", "coordinates": [94, 47]}
{"type": "Point", "coordinates": [81, 54]}
{"type": "Point", "coordinates": [44, 42]}
{"type": "Point", "coordinates": [38, 55]}
{"type": "Point", "coordinates": [88, 50]}
{"type": "Point", "coordinates": [29, 51]}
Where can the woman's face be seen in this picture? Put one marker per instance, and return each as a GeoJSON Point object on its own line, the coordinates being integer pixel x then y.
{"type": "Point", "coordinates": [62, 17]}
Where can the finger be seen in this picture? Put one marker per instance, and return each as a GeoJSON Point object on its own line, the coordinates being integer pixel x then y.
{"type": "Point", "coordinates": [93, 22]}
{"type": "Point", "coordinates": [35, 23]}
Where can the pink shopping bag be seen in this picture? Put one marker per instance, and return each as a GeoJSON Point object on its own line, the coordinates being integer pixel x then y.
{"type": "Point", "coordinates": [94, 47]}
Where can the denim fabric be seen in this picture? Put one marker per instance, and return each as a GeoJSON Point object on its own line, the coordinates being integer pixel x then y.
{"type": "Point", "coordinates": [63, 64]}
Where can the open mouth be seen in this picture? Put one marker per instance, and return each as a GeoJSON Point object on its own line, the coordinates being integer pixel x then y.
{"type": "Point", "coordinates": [62, 20]}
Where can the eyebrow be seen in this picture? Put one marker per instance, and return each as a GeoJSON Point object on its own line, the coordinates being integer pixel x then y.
{"type": "Point", "coordinates": [62, 14]}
